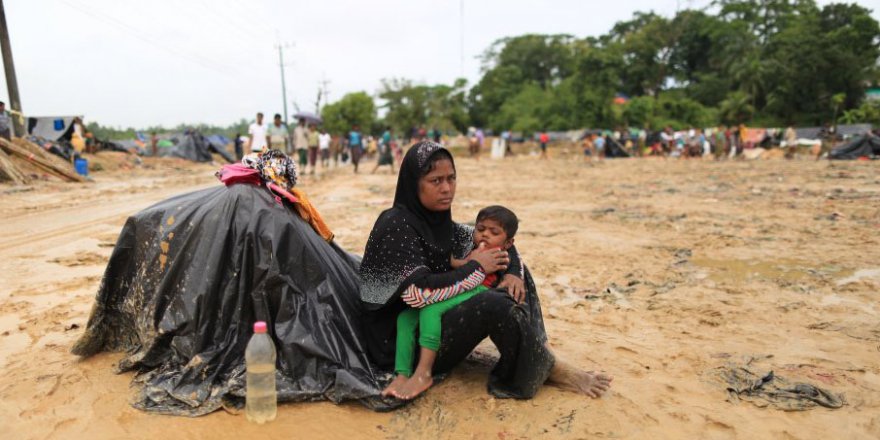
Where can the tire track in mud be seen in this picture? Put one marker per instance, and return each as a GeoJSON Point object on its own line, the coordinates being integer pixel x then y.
{"type": "Point", "coordinates": [109, 213]}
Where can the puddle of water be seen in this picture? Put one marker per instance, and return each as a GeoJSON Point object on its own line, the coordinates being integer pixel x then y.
{"type": "Point", "coordinates": [860, 275]}
{"type": "Point", "coordinates": [837, 300]}
{"type": "Point", "coordinates": [792, 271]}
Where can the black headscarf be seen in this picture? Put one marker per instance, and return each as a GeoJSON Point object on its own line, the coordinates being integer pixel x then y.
{"type": "Point", "coordinates": [435, 226]}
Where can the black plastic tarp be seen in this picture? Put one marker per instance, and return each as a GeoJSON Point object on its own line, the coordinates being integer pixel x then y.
{"type": "Point", "coordinates": [62, 148]}
{"type": "Point", "coordinates": [126, 146]}
{"type": "Point", "coordinates": [188, 278]}
{"type": "Point", "coordinates": [196, 147]}
{"type": "Point", "coordinates": [853, 129]}
{"type": "Point", "coordinates": [862, 146]}
{"type": "Point", "coordinates": [614, 149]}
{"type": "Point", "coordinates": [809, 132]}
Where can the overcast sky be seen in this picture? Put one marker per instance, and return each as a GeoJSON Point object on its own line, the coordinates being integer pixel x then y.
{"type": "Point", "coordinates": [163, 62]}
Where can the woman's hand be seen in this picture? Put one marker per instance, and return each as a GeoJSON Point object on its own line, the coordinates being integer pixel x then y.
{"type": "Point", "coordinates": [491, 260]}
{"type": "Point", "coordinates": [456, 263]}
{"type": "Point", "coordinates": [514, 286]}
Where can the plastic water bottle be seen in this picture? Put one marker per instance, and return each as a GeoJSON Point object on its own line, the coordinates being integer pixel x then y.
{"type": "Point", "coordinates": [261, 399]}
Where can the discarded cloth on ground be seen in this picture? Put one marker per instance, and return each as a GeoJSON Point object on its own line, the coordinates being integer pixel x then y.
{"type": "Point", "coordinates": [775, 391]}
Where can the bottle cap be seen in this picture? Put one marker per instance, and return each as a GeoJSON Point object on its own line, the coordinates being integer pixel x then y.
{"type": "Point", "coordinates": [260, 327]}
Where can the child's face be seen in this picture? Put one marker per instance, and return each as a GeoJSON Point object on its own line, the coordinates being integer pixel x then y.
{"type": "Point", "coordinates": [491, 233]}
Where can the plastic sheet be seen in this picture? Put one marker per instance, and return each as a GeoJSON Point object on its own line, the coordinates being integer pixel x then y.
{"type": "Point", "coordinates": [61, 149]}
{"type": "Point", "coordinates": [867, 145]}
{"type": "Point", "coordinates": [196, 147]}
{"type": "Point", "coordinates": [189, 277]}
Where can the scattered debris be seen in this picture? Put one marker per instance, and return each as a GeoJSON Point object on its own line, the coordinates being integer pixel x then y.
{"type": "Point", "coordinates": [770, 390]}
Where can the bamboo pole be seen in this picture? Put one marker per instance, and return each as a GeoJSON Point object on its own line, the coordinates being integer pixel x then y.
{"type": "Point", "coordinates": [41, 152]}
{"type": "Point", "coordinates": [64, 172]}
{"type": "Point", "coordinates": [10, 172]}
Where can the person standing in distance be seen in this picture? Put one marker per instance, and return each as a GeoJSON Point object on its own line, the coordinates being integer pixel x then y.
{"type": "Point", "coordinates": [355, 146]}
{"type": "Point", "coordinates": [257, 131]}
{"type": "Point", "coordinates": [301, 142]}
{"type": "Point", "coordinates": [5, 123]}
{"type": "Point", "coordinates": [277, 132]}
{"type": "Point", "coordinates": [324, 140]}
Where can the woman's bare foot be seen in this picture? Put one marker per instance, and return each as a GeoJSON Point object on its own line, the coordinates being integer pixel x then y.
{"type": "Point", "coordinates": [417, 384]}
{"type": "Point", "coordinates": [574, 379]}
{"type": "Point", "coordinates": [394, 386]}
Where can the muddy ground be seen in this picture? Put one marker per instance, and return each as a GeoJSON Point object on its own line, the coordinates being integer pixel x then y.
{"type": "Point", "coordinates": [660, 272]}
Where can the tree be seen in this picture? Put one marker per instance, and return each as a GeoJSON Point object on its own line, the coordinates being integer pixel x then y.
{"type": "Point", "coordinates": [353, 109]}
{"type": "Point", "coordinates": [646, 45]}
{"type": "Point", "coordinates": [527, 111]}
{"type": "Point", "coordinates": [440, 106]}
{"type": "Point", "coordinates": [867, 113]}
{"type": "Point", "coordinates": [511, 64]}
{"type": "Point", "coordinates": [736, 108]}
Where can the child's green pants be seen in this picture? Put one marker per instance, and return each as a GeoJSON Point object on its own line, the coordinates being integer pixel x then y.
{"type": "Point", "coordinates": [427, 321]}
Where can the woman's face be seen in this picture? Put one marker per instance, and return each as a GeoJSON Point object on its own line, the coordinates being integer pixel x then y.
{"type": "Point", "coordinates": [437, 188]}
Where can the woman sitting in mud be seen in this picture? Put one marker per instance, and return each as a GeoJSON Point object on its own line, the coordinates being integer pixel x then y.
{"type": "Point", "coordinates": [410, 245]}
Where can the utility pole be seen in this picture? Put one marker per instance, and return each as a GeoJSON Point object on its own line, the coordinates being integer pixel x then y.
{"type": "Point", "coordinates": [281, 48]}
{"type": "Point", "coordinates": [325, 92]}
{"type": "Point", "coordinates": [461, 39]}
{"type": "Point", "coordinates": [11, 81]}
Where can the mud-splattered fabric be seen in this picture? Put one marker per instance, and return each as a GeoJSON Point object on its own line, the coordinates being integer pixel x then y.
{"type": "Point", "coordinates": [188, 278]}
{"type": "Point", "coordinates": [770, 390]}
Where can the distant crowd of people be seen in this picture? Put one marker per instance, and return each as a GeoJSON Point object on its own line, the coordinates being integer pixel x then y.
{"type": "Point", "coordinates": [719, 142]}
{"type": "Point", "coordinates": [314, 146]}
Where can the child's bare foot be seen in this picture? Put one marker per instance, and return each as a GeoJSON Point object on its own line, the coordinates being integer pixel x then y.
{"type": "Point", "coordinates": [394, 386]}
{"type": "Point", "coordinates": [415, 385]}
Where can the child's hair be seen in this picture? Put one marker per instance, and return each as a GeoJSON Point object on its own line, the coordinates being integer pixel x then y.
{"type": "Point", "coordinates": [502, 215]}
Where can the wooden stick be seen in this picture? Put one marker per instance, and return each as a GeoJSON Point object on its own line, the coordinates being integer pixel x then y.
{"type": "Point", "coordinates": [41, 152]}
{"type": "Point", "coordinates": [61, 171]}
{"type": "Point", "coordinates": [8, 170]}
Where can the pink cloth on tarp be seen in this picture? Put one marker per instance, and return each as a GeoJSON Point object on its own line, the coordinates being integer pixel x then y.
{"type": "Point", "coordinates": [239, 173]}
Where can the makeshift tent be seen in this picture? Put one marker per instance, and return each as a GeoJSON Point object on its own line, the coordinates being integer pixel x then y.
{"type": "Point", "coordinates": [613, 148]}
{"type": "Point", "coordinates": [51, 128]}
{"type": "Point", "coordinates": [814, 135]}
{"type": "Point", "coordinates": [866, 145]}
{"type": "Point", "coordinates": [128, 145]}
{"type": "Point", "coordinates": [218, 141]}
{"type": "Point", "coordinates": [188, 278]}
{"type": "Point", "coordinates": [37, 157]}
{"type": "Point", "coordinates": [196, 147]}
{"type": "Point", "coordinates": [853, 130]}
{"type": "Point", "coordinates": [60, 148]}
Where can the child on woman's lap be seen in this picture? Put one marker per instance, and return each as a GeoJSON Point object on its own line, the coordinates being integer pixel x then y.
{"type": "Point", "coordinates": [495, 229]}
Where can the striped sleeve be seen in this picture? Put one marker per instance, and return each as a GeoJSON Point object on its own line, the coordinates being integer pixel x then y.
{"type": "Point", "coordinates": [421, 297]}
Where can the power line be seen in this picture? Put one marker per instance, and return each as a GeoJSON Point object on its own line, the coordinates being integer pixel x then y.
{"type": "Point", "coordinates": [230, 23]}
{"type": "Point", "coordinates": [325, 91]}
{"type": "Point", "coordinates": [136, 33]}
{"type": "Point", "coordinates": [249, 17]}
